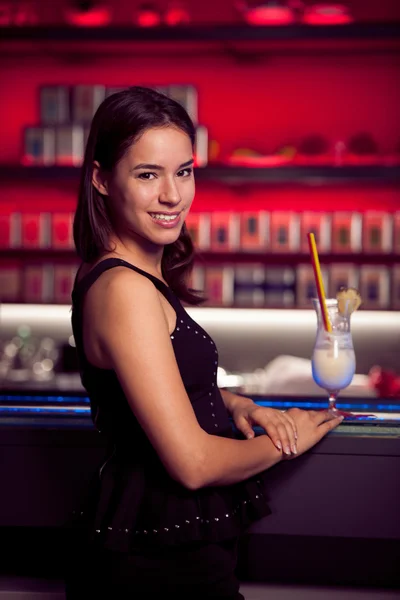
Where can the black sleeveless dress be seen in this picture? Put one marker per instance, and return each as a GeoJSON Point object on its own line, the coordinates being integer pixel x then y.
{"type": "Point", "coordinates": [133, 502]}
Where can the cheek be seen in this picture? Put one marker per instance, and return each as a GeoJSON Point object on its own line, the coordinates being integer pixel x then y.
{"type": "Point", "coordinates": [117, 194]}
{"type": "Point", "coordinates": [189, 193]}
{"type": "Point", "coordinates": [132, 197]}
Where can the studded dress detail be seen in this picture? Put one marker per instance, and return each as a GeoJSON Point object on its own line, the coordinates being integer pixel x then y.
{"type": "Point", "coordinates": [132, 500]}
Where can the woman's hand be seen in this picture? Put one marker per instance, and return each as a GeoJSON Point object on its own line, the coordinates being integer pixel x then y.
{"type": "Point", "coordinates": [279, 426]}
{"type": "Point", "coordinates": [311, 426]}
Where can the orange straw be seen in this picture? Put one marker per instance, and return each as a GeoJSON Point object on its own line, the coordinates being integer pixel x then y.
{"type": "Point", "coordinates": [319, 282]}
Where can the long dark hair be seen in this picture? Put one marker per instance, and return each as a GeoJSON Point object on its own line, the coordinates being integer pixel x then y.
{"type": "Point", "coordinates": [119, 121]}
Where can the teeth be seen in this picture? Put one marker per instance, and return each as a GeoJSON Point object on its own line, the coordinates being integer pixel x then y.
{"type": "Point", "coordinates": [164, 217]}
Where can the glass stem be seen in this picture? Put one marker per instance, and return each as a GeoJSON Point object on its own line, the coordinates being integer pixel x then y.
{"type": "Point", "coordinates": [332, 400]}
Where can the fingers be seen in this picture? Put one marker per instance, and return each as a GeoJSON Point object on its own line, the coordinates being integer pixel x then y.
{"type": "Point", "coordinates": [282, 435]}
{"type": "Point", "coordinates": [292, 422]}
{"type": "Point", "coordinates": [287, 436]}
{"type": "Point", "coordinates": [321, 416]}
{"type": "Point", "coordinates": [273, 433]}
{"type": "Point", "coordinates": [280, 427]}
{"type": "Point", "coordinates": [288, 433]}
{"type": "Point", "coordinates": [327, 426]}
{"type": "Point", "coordinates": [244, 426]}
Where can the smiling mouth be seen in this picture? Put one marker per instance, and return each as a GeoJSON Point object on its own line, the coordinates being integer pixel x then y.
{"type": "Point", "coordinates": [165, 217]}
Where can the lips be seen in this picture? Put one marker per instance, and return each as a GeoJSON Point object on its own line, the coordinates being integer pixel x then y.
{"type": "Point", "coordinates": [167, 214]}
{"type": "Point", "coordinates": [172, 220]}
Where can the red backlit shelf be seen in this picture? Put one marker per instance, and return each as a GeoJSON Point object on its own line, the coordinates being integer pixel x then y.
{"type": "Point", "coordinates": [235, 40]}
{"type": "Point", "coordinates": [307, 175]}
{"type": "Point", "coordinates": [50, 255]}
{"type": "Point", "coordinates": [205, 33]}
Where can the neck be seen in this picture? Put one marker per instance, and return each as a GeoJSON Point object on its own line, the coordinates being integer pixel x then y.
{"type": "Point", "coordinates": [149, 259]}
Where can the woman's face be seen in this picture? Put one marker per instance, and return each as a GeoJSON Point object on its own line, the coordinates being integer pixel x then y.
{"type": "Point", "coordinates": [152, 187]}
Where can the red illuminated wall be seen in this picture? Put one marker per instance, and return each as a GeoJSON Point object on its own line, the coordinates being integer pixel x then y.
{"type": "Point", "coordinates": [261, 101]}
{"type": "Point", "coordinates": [219, 11]}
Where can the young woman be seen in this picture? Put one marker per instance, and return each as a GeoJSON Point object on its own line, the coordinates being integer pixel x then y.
{"type": "Point", "coordinates": [176, 488]}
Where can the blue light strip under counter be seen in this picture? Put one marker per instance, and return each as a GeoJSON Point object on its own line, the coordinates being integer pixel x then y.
{"type": "Point", "coordinates": [43, 399]}
{"type": "Point", "coordinates": [315, 404]}
{"type": "Point", "coordinates": [45, 410]}
{"type": "Point", "coordinates": [52, 404]}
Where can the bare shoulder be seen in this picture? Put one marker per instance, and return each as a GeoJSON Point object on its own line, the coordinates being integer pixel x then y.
{"type": "Point", "coordinates": [119, 287]}
{"type": "Point", "coordinates": [119, 306]}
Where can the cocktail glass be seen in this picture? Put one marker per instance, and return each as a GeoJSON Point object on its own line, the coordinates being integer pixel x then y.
{"type": "Point", "coordinates": [333, 359]}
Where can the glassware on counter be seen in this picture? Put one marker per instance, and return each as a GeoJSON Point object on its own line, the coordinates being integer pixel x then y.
{"type": "Point", "coordinates": [26, 358]}
{"type": "Point", "coordinates": [333, 359]}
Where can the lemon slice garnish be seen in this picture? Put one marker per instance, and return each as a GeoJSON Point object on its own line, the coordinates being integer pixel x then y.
{"type": "Point", "coordinates": [349, 300]}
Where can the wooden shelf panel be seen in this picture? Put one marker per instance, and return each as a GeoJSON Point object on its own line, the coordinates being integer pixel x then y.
{"type": "Point", "coordinates": [273, 259]}
{"type": "Point", "coordinates": [384, 31]}
{"type": "Point", "coordinates": [312, 175]}
{"type": "Point", "coordinates": [291, 174]}
{"type": "Point", "coordinates": [208, 258]}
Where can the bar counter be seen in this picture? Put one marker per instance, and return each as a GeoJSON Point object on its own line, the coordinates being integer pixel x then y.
{"type": "Point", "coordinates": [341, 499]}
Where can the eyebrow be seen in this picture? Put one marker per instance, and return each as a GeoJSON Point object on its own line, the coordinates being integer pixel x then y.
{"type": "Point", "coordinates": [159, 168]}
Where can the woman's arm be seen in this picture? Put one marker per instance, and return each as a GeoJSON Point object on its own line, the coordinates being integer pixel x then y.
{"type": "Point", "coordinates": [131, 329]}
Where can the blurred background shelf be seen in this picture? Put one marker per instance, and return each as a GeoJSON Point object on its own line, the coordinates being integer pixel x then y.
{"type": "Point", "coordinates": [269, 258]}
{"type": "Point", "coordinates": [209, 257]}
{"type": "Point", "coordinates": [382, 175]}
{"type": "Point", "coordinates": [385, 31]}
{"type": "Point", "coordinates": [240, 42]}
{"type": "Point", "coordinates": [325, 97]}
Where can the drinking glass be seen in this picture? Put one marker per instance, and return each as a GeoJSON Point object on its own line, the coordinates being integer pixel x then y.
{"type": "Point", "coordinates": [333, 359]}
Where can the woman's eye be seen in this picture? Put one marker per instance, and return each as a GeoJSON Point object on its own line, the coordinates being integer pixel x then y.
{"type": "Point", "coordinates": [185, 172]}
{"type": "Point", "coordinates": [146, 176]}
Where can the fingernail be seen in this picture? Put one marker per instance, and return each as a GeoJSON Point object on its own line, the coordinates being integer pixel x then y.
{"type": "Point", "coordinates": [294, 449]}
{"type": "Point", "coordinates": [287, 450]}
{"type": "Point", "coordinates": [249, 435]}
{"type": "Point", "coordinates": [279, 445]}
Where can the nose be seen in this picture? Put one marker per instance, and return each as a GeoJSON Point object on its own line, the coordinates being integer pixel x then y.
{"type": "Point", "coordinates": [169, 193]}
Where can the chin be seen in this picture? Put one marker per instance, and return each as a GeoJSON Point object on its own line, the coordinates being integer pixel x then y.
{"type": "Point", "coordinates": [165, 240]}
{"type": "Point", "coordinates": [171, 239]}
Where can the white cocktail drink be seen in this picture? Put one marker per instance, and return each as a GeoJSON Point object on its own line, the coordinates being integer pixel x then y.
{"type": "Point", "coordinates": [333, 360]}
{"type": "Point", "coordinates": [333, 368]}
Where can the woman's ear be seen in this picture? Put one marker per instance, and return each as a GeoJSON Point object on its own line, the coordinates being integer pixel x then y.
{"type": "Point", "coordinates": [99, 180]}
